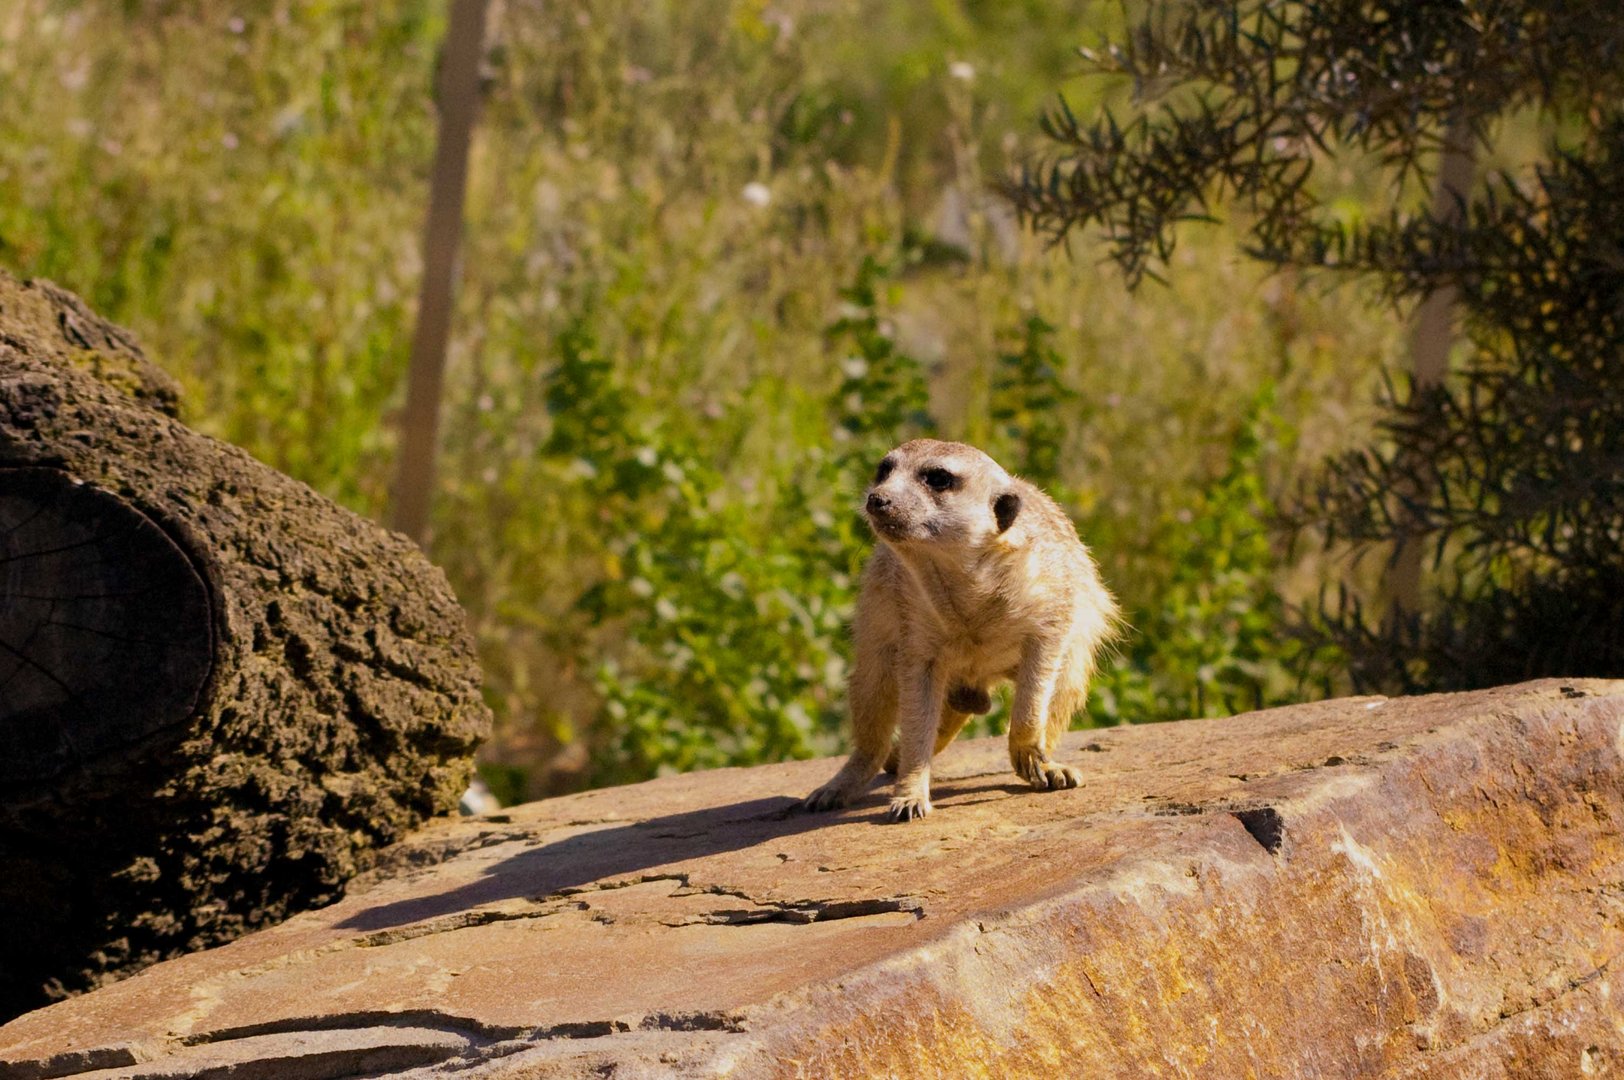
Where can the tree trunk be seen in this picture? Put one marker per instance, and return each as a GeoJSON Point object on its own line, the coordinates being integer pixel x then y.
{"type": "Point", "coordinates": [218, 690]}
{"type": "Point", "coordinates": [458, 98]}
{"type": "Point", "coordinates": [1431, 339]}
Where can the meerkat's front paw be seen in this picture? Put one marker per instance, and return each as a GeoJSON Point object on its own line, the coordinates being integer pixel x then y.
{"type": "Point", "coordinates": [909, 807]}
{"type": "Point", "coordinates": [1035, 767]}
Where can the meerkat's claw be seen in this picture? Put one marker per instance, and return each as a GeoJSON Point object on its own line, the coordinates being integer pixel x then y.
{"type": "Point", "coordinates": [908, 808]}
{"type": "Point", "coordinates": [1028, 762]}
{"type": "Point", "coordinates": [825, 798]}
{"type": "Point", "coordinates": [1035, 767]}
{"type": "Point", "coordinates": [1062, 776]}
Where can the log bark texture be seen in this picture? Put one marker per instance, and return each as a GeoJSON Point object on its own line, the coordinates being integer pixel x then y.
{"type": "Point", "coordinates": [219, 691]}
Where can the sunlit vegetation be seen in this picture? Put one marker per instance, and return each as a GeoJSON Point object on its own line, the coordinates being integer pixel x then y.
{"type": "Point", "coordinates": [720, 255]}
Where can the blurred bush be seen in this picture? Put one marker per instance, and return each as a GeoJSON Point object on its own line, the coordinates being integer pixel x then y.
{"type": "Point", "coordinates": [720, 256]}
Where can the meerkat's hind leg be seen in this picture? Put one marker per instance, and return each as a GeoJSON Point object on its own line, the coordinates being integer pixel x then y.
{"type": "Point", "coordinates": [873, 702]}
{"type": "Point", "coordinates": [962, 703]}
{"type": "Point", "coordinates": [953, 722]}
{"type": "Point", "coordinates": [849, 783]}
{"type": "Point", "coordinates": [920, 717]}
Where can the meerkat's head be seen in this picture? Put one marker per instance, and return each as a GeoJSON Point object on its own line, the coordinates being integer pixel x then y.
{"type": "Point", "coordinates": [940, 493]}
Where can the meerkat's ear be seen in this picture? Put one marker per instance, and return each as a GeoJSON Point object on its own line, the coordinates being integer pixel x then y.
{"type": "Point", "coordinates": [1004, 508]}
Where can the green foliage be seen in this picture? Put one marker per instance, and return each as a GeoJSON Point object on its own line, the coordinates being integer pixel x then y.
{"type": "Point", "coordinates": [219, 178]}
{"type": "Point", "coordinates": [506, 782]}
{"type": "Point", "coordinates": [1509, 471]}
{"type": "Point", "coordinates": [1210, 640]}
{"type": "Point", "coordinates": [731, 637]}
{"type": "Point", "coordinates": [1514, 474]}
{"type": "Point", "coordinates": [1250, 100]}
{"type": "Point", "coordinates": [1029, 399]}
{"type": "Point", "coordinates": [726, 656]}
{"type": "Point", "coordinates": [883, 399]}
{"type": "Point", "coordinates": [654, 374]}
{"type": "Point", "coordinates": [1215, 642]}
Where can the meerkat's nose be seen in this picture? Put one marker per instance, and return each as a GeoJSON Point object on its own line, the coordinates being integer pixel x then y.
{"type": "Point", "coordinates": [877, 503]}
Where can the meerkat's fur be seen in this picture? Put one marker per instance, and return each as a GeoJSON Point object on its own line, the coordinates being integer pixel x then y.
{"type": "Point", "coordinates": [979, 578]}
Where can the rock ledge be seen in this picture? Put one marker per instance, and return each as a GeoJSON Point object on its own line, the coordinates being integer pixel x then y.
{"type": "Point", "coordinates": [1421, 887]}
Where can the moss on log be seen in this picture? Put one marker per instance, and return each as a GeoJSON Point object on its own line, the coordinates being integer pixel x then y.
{"type": "Point", "coordinates": [219, 691]}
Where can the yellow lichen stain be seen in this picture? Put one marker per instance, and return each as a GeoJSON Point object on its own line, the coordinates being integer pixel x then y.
{"type": "Point", "coordinates": [1457, 820]}
{"type": "Point", "coordinates": [1173, 981]}
{"type": "Point", "coordinates": [1134, 1023]}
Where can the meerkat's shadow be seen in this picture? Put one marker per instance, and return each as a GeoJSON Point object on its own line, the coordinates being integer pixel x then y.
{"type": "Point", "coordinates": [606, 854]}
{"type": "Point", "coordinates": [650, 846]}
{"type": "Point", "coordinates": [948, 793]}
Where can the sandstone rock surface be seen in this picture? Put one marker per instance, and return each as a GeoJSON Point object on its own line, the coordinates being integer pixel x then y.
{"type": "Point", "coordinates": [1406, 888]}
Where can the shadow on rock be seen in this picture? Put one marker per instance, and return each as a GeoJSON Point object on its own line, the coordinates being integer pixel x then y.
{"type": "Point", "coordinates": [644, 847]}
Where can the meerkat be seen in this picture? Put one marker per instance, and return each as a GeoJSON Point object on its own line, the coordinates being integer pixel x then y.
{"type": "Point", "coordinates": [979, 578]}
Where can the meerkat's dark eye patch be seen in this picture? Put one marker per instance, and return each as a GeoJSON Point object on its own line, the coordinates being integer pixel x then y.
{"type": "Point", "coordinates": [884, 470]}
{"type": "Point", "coordinates": [939, 479]}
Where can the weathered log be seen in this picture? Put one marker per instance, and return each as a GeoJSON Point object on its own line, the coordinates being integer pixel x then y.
{"type": "Point", "coordinates": [218, 690]}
